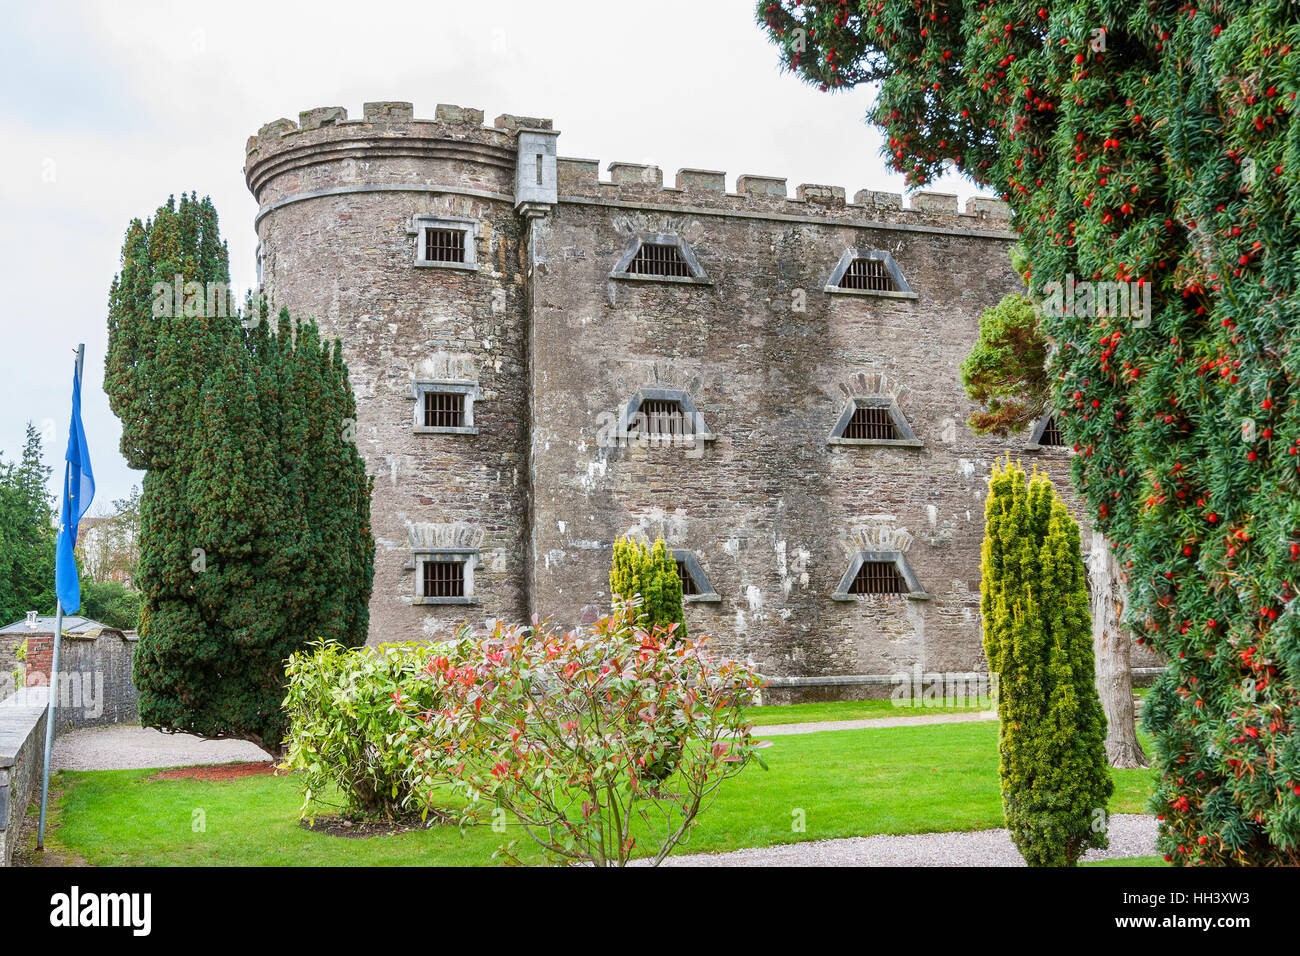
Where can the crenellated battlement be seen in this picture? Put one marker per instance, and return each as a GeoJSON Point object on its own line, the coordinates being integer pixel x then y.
{"type": "Point", "coordinates": [580, 178]}
{"type": "Point", "coordinates": [458, 133]}
{"type": "Point", "coordinates": [393, 117]}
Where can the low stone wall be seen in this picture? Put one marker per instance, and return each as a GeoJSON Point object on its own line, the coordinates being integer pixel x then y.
{"type": "Point", "coordinates": [22, 758]}
{"type": "Point", "coordinates": [95, 686]}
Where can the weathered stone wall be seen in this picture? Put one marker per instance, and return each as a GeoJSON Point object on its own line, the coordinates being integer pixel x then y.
{"type": "Point", "coordinates": [94, 678]}
{"type": "Point", "coordinates": [22, 757]}
{"type": "Point", "coordinates": [772, 510]}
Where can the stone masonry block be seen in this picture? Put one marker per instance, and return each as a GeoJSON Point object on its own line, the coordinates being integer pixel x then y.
{"type": "Point", "coordinates": [391, 111]}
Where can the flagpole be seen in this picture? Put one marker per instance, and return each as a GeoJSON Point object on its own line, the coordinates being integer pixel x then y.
{"type": "Point", "coordinates": [53, 689]}
{"type": "Point", "coordinates": [53, 686]}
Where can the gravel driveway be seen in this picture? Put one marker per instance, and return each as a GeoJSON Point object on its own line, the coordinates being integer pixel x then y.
{"type": "Point", "coordinates": [132, 747]}
{"type": "Point", "coordinates": [867, 723]}
{"type": "Point", "coordinates": [1131, 834]}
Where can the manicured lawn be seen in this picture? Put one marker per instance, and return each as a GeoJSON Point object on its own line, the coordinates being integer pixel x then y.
{"type": "Point", "coordinates": [847, 710]}
{"type": "Point", "coordinates": [844, 783]}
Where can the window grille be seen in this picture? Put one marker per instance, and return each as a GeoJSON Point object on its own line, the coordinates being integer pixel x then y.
{"type": "Point", "coordinates": [663, 417]}
{"type": "Point", "coordinates": [444, 409]}
{"type": "Point", "coordinates": [1051, 433]}
{"type": "Point", "coordinates": [688, 581]}
{"type": "Point", "coordinates": [871, 422]}
{"type": "Point", "coordinates": [878, 577]}
{"type": "Point", "coordinates": [443, 579]}
{"type": "Point", "coordinates": [444, 245]}
{"type": "Point", "coordinates": [870, 274]}
{"type": "Point", "coordinates": [655, 259]}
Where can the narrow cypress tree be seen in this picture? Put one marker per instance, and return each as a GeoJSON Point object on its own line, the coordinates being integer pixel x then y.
{"type": "Point", "coordinates": [1038, 640]}
{"type": "Point", "coordinates": [651, 572]}
{"type": "Point", "coordinates": [27, 534]}
{"type": "Point", "coordinates": [255, 509]}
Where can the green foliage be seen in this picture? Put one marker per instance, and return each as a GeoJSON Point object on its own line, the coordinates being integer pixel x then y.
{"type": "Point", "coordinates": [18, 676]}
{"type": "Point", "coordinates": [111, 603]}
{"type": "Point", "coordinates": [1038, 640]}
{"type": "Point", "coordinates": [649, 571]}
{"type": "Point", "coordinates": [1149, 142]}
{"type": "Point", "coordinates": [112, 551]}
{"type": "Point", "coordinates": [27, 535]}
{"type": "Point", "coordinates": [1006, 371]}
{"type": "Point", "coordinates": [354, 726]}
{"type": "Point", "coordinates": [255, 507]}
{"type": "Point", "coordinates": [565, 731]}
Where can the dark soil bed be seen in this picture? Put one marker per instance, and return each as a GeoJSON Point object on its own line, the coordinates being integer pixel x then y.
{"type": "Point", "coordinates": [343, 827]}
{"type": "Point", "coordinates": [217, 771]}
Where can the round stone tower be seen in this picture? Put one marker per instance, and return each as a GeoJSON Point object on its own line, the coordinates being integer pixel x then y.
{"type": "Point", "coordinates": [408, 240]}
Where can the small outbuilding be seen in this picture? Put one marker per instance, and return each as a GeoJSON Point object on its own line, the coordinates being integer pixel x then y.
{"type": "Point", "coordinates": [94, 679]}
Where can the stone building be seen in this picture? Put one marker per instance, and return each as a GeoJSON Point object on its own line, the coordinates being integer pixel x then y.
{"type": "Point", "coordinates": [545, 360]}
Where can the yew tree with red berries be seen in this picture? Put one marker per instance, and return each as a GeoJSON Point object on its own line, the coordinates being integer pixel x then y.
{"type": "Point", "coordinates": [1149, 142]}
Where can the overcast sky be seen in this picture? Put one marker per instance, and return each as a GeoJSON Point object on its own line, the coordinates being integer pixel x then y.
{"type": "Point", "coordinates": [109, 108]}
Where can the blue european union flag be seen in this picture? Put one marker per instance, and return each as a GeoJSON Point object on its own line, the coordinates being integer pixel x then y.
{"type": "Point", "coordinates": [78, 492]}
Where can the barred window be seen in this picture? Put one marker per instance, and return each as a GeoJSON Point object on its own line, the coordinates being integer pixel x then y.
{"type": "Point", "coordinates": [443, 579]}
{"type": "Point", "coordinates": [444, 409]}
{"type": "Point", "coordinates": [872, 274]}
{"type": "Point", "coordinates": [879, 573]}
{"type": "Point", "coordinates": [1051, 433]}
{"type": "Point", "coordinates": [445, 406]}
{"type": "Point", "coordinates": [663, 417]}
{"type": "Point", "coordinates": [871, 421]}
{"type": "Point", "coordinates": [689, 586]}
{"type": "Point", "coordinates": [868, 272]}
{"type": "Point", "coordinates": [696, 586]}
{"type": "Point", "coordinates": [658, 259]}
{"type": "Point", "coordinates": [444, 242]}
{"type": "Point", "coordinates": [444, 245]}
{"type": "Point", "coordinates": [878, 577]}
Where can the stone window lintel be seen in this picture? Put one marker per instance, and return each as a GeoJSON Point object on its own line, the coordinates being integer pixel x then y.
{"type": "Point", "coordinates": [699, 277]}
{"type": "Point", "coordinates": [901, 424]}
{"type": "Point", "coordinates": [468, 556]}
{"type": "Point", "coordinates": [914, 590]}
{"type": "Point", "coordinates": [422, 221]}
{"type": "Point", "coordinates": [904, 290]}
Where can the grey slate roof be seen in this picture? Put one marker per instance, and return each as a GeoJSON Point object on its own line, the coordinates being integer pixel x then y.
{"type": "Point", "coordinates": [72, 624]}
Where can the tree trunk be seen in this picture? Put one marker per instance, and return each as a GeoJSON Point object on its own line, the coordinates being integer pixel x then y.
{"type": "Point", "coordinates": [1110, 646]}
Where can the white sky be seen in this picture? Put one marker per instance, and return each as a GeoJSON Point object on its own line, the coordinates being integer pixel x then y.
{"type": "Point", "coordinates": [109, 108]}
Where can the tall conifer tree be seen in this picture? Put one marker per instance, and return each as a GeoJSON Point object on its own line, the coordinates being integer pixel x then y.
{"type": "Point", "coordinates": [255, 508]}
{"type": "Point", "coordinates": [26, 534]}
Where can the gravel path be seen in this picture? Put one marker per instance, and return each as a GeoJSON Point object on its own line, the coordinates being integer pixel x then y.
{"type": "Point", "coordinates": [1131, 834]}
{"type": "Point", "coordinates": [131, 747]}
{"type": "Point", "coordinates": [816, 726]}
